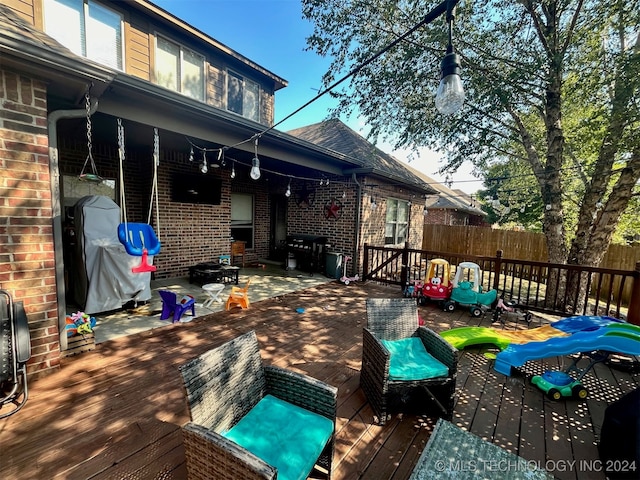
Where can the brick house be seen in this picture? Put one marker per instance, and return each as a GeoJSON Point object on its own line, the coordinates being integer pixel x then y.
{"type": "Point", "coordinates": [63, 90]}
{"type": "Point", "coordinates": [450, 207]}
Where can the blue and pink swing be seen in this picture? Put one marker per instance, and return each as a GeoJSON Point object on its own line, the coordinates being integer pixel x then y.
{"type": "Point", "coordinates": [139, 239]}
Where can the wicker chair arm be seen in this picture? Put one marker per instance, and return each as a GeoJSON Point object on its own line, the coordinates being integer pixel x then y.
{"type": "Point", "coordinates": [302, 390]}
{"type": "Point", "coordinates": [375, 357]}
{"type": "Point", "coordinates": [439, 348]}
{"type": "Point", "coordinates": [210, 455]}
{"type": "Point", "coordinates": [376, 348]}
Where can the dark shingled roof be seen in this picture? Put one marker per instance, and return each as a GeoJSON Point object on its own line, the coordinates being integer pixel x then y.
{"type": "Point", "coordinates": [335, 135]}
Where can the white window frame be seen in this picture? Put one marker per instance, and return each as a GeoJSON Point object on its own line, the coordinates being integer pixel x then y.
{"type": "Point", "coordinates": [244, 83]}
{"type": "Point", "coordinates": [243, 217]}
{"type": "Point", "coordinates": [81, 39]}
{"type": "Point", "coordinates": [181, 66]}
{"type": "Point", "coordinates": [394, 224]}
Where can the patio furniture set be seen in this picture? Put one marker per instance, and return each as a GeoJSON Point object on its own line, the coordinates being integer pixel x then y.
{"type": "Point", "coordinates": [253, 421]}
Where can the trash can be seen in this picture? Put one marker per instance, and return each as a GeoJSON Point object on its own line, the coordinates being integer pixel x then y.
{"type": "Point", "coordinates": [333, 265]}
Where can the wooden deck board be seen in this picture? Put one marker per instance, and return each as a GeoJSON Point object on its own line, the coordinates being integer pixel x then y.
{"type": "Point", "coordinates": [116, 412]}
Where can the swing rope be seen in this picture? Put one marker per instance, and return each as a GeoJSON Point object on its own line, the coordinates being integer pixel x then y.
{"type": "Point", "coordinates": [121, 156]}
{"type": "Point", "coordinates": [154, 185]}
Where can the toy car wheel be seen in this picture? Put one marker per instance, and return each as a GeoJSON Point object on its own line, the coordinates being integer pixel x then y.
{"type": "Point", "coordinates": [476, 312]}
{"type": "Point", "coordinates": [527, 317]}
{"type": "Point", "coordinates": [554, 394]}
{"type": "Point", "coordinates": [579, 391]}
{"type": "Point", "coordinates": [346, 282]}
{"type": "Point", "coordinates": [422, 301]}
{"type": "Point", "coordinates": [449, 307]}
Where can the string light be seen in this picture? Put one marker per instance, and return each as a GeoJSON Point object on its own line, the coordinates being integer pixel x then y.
{"type": "Point", "coordinates": [233, 170]}
{"type": "Point", "coordinates": [255, 163]}
{"type": "Point", "coordinates": [191, 155]}
{"type": "Point", "coordinates": [204, 167]}
{"type": "Point", "coordinates": [288, 192]}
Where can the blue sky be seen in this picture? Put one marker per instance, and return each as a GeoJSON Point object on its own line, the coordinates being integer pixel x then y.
{"type": "Point", "coordinates": [273, 34]}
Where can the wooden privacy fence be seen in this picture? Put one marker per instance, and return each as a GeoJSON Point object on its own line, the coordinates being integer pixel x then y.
{"type": "Point", "coordinates": [482, 241]}
{"type": "Point", "coordinates": [556, 289]}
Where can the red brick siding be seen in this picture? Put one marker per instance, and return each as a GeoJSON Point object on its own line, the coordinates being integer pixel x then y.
{"type": "Point", "coordinates": [27, 261]}
{"type": "Point", "coordinates": [189, 233]}
{"type": "Point", "coordinates": [340, 232]}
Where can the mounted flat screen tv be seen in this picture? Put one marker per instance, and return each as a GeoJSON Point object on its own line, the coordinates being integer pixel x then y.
{"type": "Point", "coordinates": [194, 188]}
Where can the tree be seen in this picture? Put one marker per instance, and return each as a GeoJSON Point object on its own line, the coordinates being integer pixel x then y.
{"type": "Point", "coordinates": [527, 65]}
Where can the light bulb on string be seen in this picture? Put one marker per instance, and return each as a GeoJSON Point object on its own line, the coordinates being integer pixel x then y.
{"type": "Point", "coordinates": [204, 168]}
{"type": "Point", "coordinates": [233, 170]}
{"type": "Point", "coordinates": [288, 192]}
{"type": "Point", "coordinates": [191, 154]}
{"type": "Point", "coordinates": [450, 94]}
{"type": "Point", "coordinates": [255, 164]}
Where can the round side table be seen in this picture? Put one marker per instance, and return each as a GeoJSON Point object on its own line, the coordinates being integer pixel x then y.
{"type": "Point", "coordinates": [213, 291]}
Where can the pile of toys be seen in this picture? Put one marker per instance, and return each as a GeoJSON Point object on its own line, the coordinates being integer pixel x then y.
{"type": "Point", "coordinates": [79, 323]}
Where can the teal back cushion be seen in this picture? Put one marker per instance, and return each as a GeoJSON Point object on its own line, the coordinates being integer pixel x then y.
{"type": "Point", "coordinates": [284, 435]}
{"type": "Point", "coordinates": [411, 361]}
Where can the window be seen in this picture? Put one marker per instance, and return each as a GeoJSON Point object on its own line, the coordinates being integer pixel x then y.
{"type": "Point", "coordinates": [179, 69]}
{"type": "Point", "coordinates": [86, 28]}
{"type": "Point", "coordinates": [243, 96]}
{"type": "Point", "coordinates": [242, 218]}
{"type": "Point", "coordinates": [397, 222]}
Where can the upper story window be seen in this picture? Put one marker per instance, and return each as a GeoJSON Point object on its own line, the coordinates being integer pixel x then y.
{"type": "Point", "coordinates": [179, 69]}
{"type": "Point", "coordinates": [243, 96]}
{"type": "Point", "coordinates": [86, 28]}
{"type": "Point", "coordinates": [397, 222]}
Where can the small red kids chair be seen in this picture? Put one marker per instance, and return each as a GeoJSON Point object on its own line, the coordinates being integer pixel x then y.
{"type": "Point", "coordinates": [172, 305]}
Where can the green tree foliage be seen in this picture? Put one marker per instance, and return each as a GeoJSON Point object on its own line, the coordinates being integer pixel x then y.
{"type": "Point", "coordinates": [552, 90]}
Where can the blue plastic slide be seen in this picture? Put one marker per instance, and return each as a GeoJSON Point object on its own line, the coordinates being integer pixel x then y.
{"type": "Point", "coordinates": [616, 337]}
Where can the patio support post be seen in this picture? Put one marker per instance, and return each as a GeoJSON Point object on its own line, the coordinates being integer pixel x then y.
{"type": "Point", "coordinates": [634, 304]}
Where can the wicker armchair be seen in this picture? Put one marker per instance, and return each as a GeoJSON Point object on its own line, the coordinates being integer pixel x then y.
{"type": "Point", "coordinates": [392, 319]}
{"type": "Point", "coordinates": [225, 385]}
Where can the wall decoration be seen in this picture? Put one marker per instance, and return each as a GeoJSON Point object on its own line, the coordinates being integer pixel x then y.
{"type": "Point", "coordinates": [333, 209]}
{"type": "Point", "coordinates": [305, 197]}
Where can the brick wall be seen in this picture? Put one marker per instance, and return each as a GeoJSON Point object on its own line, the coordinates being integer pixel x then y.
{"type": "Point", "coordinates": [27, 266]}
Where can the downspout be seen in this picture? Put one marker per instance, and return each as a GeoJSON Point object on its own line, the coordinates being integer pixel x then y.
{"type": "Point", "coordinates": [56, 208]}
{"type": "Point", "coordinates": [356, 254]}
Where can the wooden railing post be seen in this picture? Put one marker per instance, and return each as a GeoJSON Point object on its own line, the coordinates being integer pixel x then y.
{"type": "Point", "coordinates": [634, 303]}
{"type": "Point", "coordinates": [498, 268]}
{"type": "Point", "coordinates": [404, 274]}
{"type": "Point", "coordinates": [365, 263]}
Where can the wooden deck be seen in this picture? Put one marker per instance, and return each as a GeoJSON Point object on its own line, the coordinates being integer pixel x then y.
{"type": "Point", "coordinates": [115, 412]}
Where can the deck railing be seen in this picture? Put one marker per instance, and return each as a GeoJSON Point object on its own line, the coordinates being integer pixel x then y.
{"type": "Point", "coordinates": [556, 289]}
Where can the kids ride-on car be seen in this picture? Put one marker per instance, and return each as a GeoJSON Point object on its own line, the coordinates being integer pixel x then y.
{"type": "Point", "coordinates": [509, 308]}
{"type": "Point", "coordinates": [467, 290]}
{"type": "Point", "coordinates": [437, 285]}
{"type": "Point", "coordinates": [559, 384]}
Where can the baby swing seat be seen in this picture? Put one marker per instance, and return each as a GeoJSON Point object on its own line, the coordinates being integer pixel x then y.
{"type": "Point", "coordinates": [139, 240]}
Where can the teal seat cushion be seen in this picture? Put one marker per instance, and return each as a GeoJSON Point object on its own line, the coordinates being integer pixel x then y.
{"type": "Point", "coordinates": [411, 361]}
{"type": "Point", "coordinates": [284, 435]}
